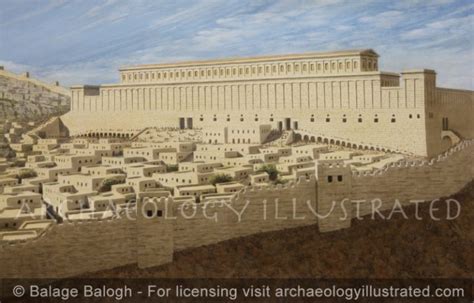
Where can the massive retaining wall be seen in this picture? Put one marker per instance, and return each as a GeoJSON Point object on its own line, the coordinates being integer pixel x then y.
{"type": "Point", "coordinates": [71, 249]}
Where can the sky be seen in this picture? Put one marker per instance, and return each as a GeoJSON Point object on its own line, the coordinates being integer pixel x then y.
{"type": "Point", "coordinates": [86, 42]}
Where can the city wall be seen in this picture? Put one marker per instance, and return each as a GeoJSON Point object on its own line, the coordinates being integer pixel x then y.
{"type": "Point", "coordinates": [403, 182]}
{"type": "Point", "coordinates": [416, 180]}
{"type": "Point", "coordinates": [261, 209]}
{"type": "Point", "coordinates": [69, 249]}
{"type": "Point", "coordinates": [457, 108]}
{"type": "Point", "coordinates": [72, 249]}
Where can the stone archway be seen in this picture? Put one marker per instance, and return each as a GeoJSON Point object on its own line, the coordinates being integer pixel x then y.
{"type": "Point", "coordinates": [449, 138]}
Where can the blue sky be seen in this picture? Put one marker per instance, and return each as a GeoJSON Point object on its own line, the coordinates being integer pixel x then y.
{"type": "Point", "coordinates": [79, 42]}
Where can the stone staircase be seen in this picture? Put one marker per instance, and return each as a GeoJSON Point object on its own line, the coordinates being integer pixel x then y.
{"type": "Point", "coordinates": [135, 137]}
{"type": "Point", "coordinates": [274, 134]}
{"type": "Point", "coordinates": [281, 138]}
{"type": "Point", "coordinates": [51, 128]}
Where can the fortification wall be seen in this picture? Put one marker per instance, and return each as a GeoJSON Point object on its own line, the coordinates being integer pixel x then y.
{"type": "Point", "coordinates": [457, 106]}
{"type": "Point", "coordinates": [261, 210]}
{"type": "Point", "coordinates": [420, 180]}
{"type": "Point", "coordinates": [71, 249]}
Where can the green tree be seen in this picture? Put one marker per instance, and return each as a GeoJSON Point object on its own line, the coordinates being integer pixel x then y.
{"type": "Point", "coordinates": [106, 184]}
{"type": "Point", "coordinates": [172, 167]}
{"type": "Point", "coordinates": [26, 173]}
{"type": "Point", "coordinates": [220, 178]}
{"type": "Point", "coordinates": [280, 181]}
{"type": "Point", "coordinates": [271, 170]}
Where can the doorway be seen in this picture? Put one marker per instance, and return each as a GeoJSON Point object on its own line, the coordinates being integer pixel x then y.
{"type": "Point", "coordinates": [190, 123]}
{"type": "Point", "coordinates": [287, 123]}
{"type": "Point", "coordinates": [445, 125]}
{"type": "Point", "coordinates": [280, 126]}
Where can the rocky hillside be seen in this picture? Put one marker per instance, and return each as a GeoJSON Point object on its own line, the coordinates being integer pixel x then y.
{"type": "Point", "coordinates": [25, 99]}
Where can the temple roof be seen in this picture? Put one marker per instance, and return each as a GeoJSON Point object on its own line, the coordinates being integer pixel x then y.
{"type": "Point", "coordinates": [256, 59]}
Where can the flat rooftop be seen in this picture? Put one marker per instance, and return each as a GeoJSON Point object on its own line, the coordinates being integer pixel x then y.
{"type": "Point", "coordinates": [18, 235]}
{"type": "Point", "coordinates": [233, 60]}
{"type": "Point", "coordinates": [196, 187]}
{"type": "Point", "coordinates": [34, 225]}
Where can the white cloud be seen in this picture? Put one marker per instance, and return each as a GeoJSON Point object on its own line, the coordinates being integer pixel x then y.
{"type": "Point", "coordinates": [15, 67]}
{"type": "Point", "coordinates": [112, 33]}
{"type": "Point", "coordinates": [420, 4]}
{"type": "Point", "coordinates": [32, 12]}
{"type": "Point", "coordinates": [441, 28]}
{"type": "Point", "coordinates": [97, 9]}
{"type": "Point", "coordinates": [385, 19]}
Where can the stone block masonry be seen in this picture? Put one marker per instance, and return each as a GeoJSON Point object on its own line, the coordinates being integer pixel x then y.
{"type": "Point", "coordinates": [161, 227]}
{"type": "Point", "coordinates": [335, 94]}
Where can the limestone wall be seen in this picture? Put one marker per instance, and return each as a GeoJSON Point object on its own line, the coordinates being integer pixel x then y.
{"type": "Point", "coordinates": [262, 210]}
{"type": "Point", "coordinates": [421, 180]}
{"type": "Point", "coordinates": [71, 249]}
{"type": "Point", "coordinates": [338, 95]}
{"type": "Point", "coordinates": [359, 107]}
{"type": "Point", "coordinates": [347, 196]}
{"type": "Point", "coordinates": [457, 106]}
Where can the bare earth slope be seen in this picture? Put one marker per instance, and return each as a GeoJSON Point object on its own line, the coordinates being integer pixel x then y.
{"type": "Point", "coordinates": [397, 248]}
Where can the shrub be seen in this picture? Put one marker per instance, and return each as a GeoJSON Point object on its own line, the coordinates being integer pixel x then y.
{"type": "Point", "coordinates": [280, 181]}
{"type": "Point", "coordinates": [271, 170]}
{"type": "Point", "coordinates": [26, 173]}
{"type": "Point", "coordinates": [172, 167]}
{"type": "Point", "coordinates": [220, 178]}
{"type": "Point", "coordinates": [106, 184]}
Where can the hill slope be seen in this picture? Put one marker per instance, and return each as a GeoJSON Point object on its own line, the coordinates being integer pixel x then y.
{"type": "Point", "coordinates": [26, 99]}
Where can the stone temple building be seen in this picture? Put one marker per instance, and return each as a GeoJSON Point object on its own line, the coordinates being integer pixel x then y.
{"type": "Point", "coordinates": [340, 97]}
